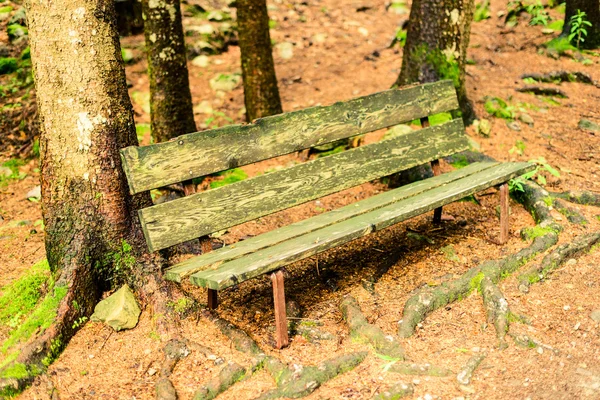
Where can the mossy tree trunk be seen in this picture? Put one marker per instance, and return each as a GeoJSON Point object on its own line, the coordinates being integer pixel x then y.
{"type": "Point", "coordinates": [261, 94]}
{"type": "Point", "coordinates": [86, 117]}
{"type": "Point", "coordinates": [129, 17]}
{"type": "Point", "coordinates": [592, 11]}
{"type": "Point", "coordinates": [436, 46]}
{"type": "Point", "coordinates": [170, 98]}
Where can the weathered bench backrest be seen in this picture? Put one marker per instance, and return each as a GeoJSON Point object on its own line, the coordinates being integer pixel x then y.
{"type": "Point", "coordinates": [202, 153]}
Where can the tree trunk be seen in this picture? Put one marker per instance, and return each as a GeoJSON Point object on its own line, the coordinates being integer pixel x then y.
{"type": "Point", "coordinates": [436, 46]}
{"type": "Point", "coordinates": [86, 117]}
{"type": "Point", "coordinates": [170, 98]}
{"type": "Point", "coordinates": [129, 17]}
{"type": "Point", "coordinates": [261, 94]}
{"type": "Point", "coordinates": [592, 11]}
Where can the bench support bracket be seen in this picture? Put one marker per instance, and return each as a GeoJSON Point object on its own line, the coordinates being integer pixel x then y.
{"type": "Point", "coordinates": [503, 213]}
{"type": "Point", "coordinates": [281, 332]}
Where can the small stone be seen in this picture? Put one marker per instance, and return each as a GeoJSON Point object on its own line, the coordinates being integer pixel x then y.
{"type": "Point", "coordinates": [225, 82]}
{"type": "Point", "coordinates": [514, 125]}
{"type": "Point", "coordinates": [588, 125]}
{"type": "Point", "coordinates": [319, 38]}
{"type": "Point", "coordinates": [571, 261]}
{"type": "Point", "coordinates": [483, 127]}
{"type": "Point", "coordinates": [567, 308]}
{"type": "Point", "coordinates": [416, 381]}
{"type": "Point", "coordinates": [151, 371]}
{"type": "Point", "coordinates": [363, 31]}
{"type": "Point", "coordinates": [577, 325]}
{"type": "Point", "coordinates": [540, 350]}
{"type": "Point", "coordinates": [219, 361]}
{"type": "Point", "coordinates": [595, 315]}
{"type": "Point", "coordinates": [203, 108]}
{"type": "Point", "coordinates": [285, 50]}
{"type": "Point", "coordinates": [211, 357]}
{"type": "Point", "coordinates": [526, 118]}
{"type": "Point", "coordinates": [119, 310]}
{"type": "Point", "coordinates": [201, 61]}
{"type": "Point", "coordinates": [35, 193]}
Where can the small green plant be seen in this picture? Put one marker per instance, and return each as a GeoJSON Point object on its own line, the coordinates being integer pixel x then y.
{"type": "Point", "coordinates": [80, 322]}
{"type": "Point", "coordinates": [218, 119]}
{"type": "Point", "coordinates": [390, 361]}
{"type": "Point", "coordinates": [399, 38]}
{"type": "Point", "coordinates": [518, 148]}
{"type": "Point", "coordinates": [499, 108]}
{"type": "Point", "coordinates": [482, 11]}
{"type": "Point", "coordinates": [8, 65]}
{"type": "Point", "coordinates": [516, 184]}
{"type": "Point", "coordinates": [579, 23]}
{"type": "Point", "coordinates": [538, 15]}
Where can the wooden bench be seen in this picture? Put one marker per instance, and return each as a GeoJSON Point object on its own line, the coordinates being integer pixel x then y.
{"type": "Point", "coordinates": [202, 153]}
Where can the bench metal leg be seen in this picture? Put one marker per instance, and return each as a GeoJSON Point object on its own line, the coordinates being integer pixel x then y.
{"type": "Point", "coordinates": [281, 333]}
{"type": "Point", "coordinates": [213, 299]}
{"type": "Point", "coordinates": [437, 213]}
{"type": "Point", "coordinates": [503, 213]}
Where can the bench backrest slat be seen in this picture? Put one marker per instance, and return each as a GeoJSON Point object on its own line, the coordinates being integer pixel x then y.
{"type": "Point", "coordinates": [203, 213]}
{"type": "Point", "coordinates": [202, 153]}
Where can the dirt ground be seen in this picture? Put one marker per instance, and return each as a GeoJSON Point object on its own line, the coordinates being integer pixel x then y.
{"type": "Point", "coordinates": [339, 52]}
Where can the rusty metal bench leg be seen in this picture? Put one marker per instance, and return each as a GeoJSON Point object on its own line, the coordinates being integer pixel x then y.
{"type": "Point", "coordinates": [281, 333]}
{"type": "Point", "coordinates": [213, 300]}
{"type": "Point", "coordinates": [503, 213]}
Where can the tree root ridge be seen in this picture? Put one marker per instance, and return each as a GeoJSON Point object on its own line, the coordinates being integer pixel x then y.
{"type": "Point", "coordinates": [429, 299]}
{"type": "Point", "coordinates": [572, 215]}
{"type": "Point", "coordinates": [308, 379]}
{"type": "Point", "coordinates": [291, 381]}
{"type": "Point", "coordinates": [228, 376]}
{"type": "Point", "coordinates": [406, 368]}
{"type": "Point", "coordinates": [556, 258]}
{"type": "Point", "coordinates": [174, 350]}
{"type": "Point", "coordinates": [361, 328]}
{"type": "Point", "coordinates": [585, 197]}
{"type": "Point", "coordinates": [537, 201]}
{"type": "Point", "coordinates": [496, 308]}
{"type": "Point", "coordinates": [396, 392]}
{"type": "Point", "coordinates": [465, 375]}
{"type": "Point", "coordinates": [560, 76]}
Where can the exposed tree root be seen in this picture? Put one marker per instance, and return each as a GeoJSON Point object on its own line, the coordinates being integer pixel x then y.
{"type": "Point", "coordinates": [291, 381]}
{"type": "Point", "coordinates": [466, 373]}
{"type": "Point", "coordinates": [496, 308]}
{"type": "Point", "coordinates": [360, 328]}
{"type": "Point", "coordinates": [308, 379]}
{"type": "Point", "coordinates": [228, 376]}
{"type": "Point", "coordinates": [406, 368]}
{"type": "Point", "coordinates": [174, 350]}
{"type": "Point", "coordinates": [305, 328]}
{"type": "Point", "coordinates": [572, 215]}
{"type": "Point", "coordinates": [429, 299]}
{"type": "Point", "coordinates": [556, 258]}
{"type": "Point", "coordinates": [543, 91]}
{"type": "Point", "coordinates": [560, 76]}
{"type": "Point", "coordinates": [397, 391]}
{"type": "Point", "coordinates": [584, 197]}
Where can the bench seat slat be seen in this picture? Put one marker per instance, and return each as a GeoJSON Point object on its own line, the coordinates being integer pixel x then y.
{"type": "Point", "coordinates": [203, 213]}
{"type": "Point", "coordinates": [227, 253]}
{"type": "Point", "coordinates": [271, 258]}
{"type": "Point", "coordinates": [202, 153]}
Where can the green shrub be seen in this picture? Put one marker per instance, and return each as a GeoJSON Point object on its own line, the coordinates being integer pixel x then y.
{"type": "Point", "coordinates": [8, 65]}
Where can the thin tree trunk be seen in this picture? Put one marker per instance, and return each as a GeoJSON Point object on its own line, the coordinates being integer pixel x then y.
{"type": "Point", "coordinates": [436, 46]}
{"type": "Point", "coordinates": [261, 94]}
{"type": "Point", "coordinates": [592, 11]}
{"type": "Point", "coordinates": [170, 98]}
{"type": "Point", "coordinates": [86, 117]}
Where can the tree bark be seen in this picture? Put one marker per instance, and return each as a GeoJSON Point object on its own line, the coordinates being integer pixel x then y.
{"type": "Point", "coordinates": [261, 94]}
{"type": "Point", "coordinates": [86, 117]}
{"type": "Point", "coordinates": [129, 17]}
{"type": "Point", "coordinates": [436, 46]}
{"type": "Point", "coordinates": [592, 11]}
{"type": "Point", "coordinates": [170, 98]}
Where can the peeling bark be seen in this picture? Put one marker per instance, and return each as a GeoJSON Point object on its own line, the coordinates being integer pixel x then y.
{"type": "Point", "coordinates": [466, 373]}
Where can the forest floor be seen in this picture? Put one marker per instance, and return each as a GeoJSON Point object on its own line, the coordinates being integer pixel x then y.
{"type": "Point", "coordinates": [327, 51]}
